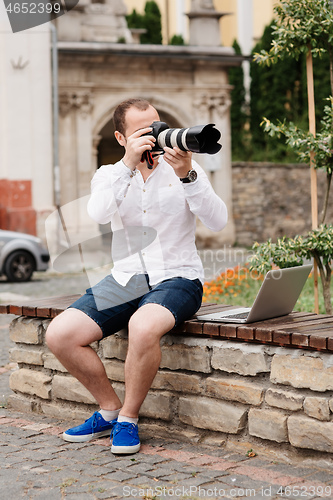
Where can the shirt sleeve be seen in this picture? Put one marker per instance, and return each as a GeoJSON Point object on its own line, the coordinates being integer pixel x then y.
{"type": "Point", "coordinates": [204, 202]}
{"type": "Point", "coordinates": [108, 187]}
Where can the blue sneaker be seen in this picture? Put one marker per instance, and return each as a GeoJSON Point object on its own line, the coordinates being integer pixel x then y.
{"type": "Point", "coordinates": [92, 428]}
{"type": "Point", "coordinates": [125, 438]}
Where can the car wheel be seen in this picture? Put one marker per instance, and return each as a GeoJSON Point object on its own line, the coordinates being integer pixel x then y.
{"type": "Point", "coordinates": [19, 266]}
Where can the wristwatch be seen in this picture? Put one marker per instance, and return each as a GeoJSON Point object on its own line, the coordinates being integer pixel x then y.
{"type": "Point", "coordinates": [191, 176]}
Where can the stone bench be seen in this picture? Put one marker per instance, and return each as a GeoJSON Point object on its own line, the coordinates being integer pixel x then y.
{"type": "Point", "coordinates": [245, 386]}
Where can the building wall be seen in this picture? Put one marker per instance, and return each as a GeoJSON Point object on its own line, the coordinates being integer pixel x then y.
{"type": "Point", "coordinates": [272, 200]}
{"type": "Point", "coordinates": [262, 14]}
{"type": "Point", "coordinates": [25, 127]}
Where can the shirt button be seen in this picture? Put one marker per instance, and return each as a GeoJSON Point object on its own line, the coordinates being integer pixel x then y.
{"type": "Point", "coordinates": [144, 190]}
{"type": "Point", "coordinates": [144, 211]}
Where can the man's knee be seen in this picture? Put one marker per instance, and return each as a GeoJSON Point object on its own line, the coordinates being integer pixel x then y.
{"type": "Point", "coordinates": [72, 328]}
{"type": "Point", "coordinates": [143, 333]}
{"type": "Point", "coordinates": [148, 325]}
{"type": "Point", "coordinates": [56, 333]}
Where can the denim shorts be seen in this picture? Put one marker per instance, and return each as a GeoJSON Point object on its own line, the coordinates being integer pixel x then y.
{"type": "Point", "coordinates": [111, 305]}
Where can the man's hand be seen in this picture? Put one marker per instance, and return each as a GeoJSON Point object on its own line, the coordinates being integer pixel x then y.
{"type": "Point", "coordinates": [179, 160]}
{"type": "Point", "coordinates": [136, 145]}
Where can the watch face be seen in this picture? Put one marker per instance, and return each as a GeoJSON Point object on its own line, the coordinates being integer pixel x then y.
{"type": "Point", "coordinates": [192, 175]}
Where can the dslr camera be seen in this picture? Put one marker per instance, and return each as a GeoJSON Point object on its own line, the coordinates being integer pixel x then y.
{"type": "Point", "coordinates": [198, 139]}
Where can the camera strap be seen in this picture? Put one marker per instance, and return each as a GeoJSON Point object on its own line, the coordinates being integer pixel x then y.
{"type": "Point", "coordinates": [147, 157]}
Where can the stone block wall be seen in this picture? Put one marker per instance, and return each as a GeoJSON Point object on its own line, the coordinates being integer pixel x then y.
{"type": "Point", "coordinates": [206, 390]}
{"type": "Point", "coordinates": [272, 200]}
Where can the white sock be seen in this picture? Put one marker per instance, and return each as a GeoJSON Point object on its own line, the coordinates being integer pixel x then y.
{"type": "Point", "coordinates": [109, 415]}
{"type": "Point", "coordinates": [123, 418]}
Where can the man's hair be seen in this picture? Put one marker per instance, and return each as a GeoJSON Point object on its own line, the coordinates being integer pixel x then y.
{"type": "Point", "coordinates": [119, 116]}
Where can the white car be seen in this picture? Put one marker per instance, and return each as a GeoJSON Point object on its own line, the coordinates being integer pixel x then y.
{"type": "Point", "coordinates": [21, 254]}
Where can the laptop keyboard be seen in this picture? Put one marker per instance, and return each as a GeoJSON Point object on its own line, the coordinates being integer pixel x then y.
{"type": "Point", "coordinates": [243, 315]}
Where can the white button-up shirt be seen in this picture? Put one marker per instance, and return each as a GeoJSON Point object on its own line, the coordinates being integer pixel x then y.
{"type": "Point", "coordinates": [153, 222]}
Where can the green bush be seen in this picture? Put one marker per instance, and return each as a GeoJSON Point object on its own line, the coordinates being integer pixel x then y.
{"type": "Point", "coordinates": [135, 20]}
{"type": "Point", "coordinates": [150, 21]}
{"type": "Point", "coordinates": [177, 40]}
{"type": "Point", "coordinates": [152, 24]}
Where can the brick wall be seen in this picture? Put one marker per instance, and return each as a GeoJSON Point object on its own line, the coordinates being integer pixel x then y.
{"type": "Point", "coordinates": [272, 200]}
{"type": "Point", "coordinates": [206, 390]}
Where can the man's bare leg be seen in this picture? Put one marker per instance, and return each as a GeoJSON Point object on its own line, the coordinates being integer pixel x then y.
{"type": "Point", "coordinates": [68, 337]}
{"type": "Point", "coordinates": [146, 327]}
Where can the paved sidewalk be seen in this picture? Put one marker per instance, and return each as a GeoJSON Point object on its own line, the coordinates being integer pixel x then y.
{"type": "Point", "coordinates": [37, 464]}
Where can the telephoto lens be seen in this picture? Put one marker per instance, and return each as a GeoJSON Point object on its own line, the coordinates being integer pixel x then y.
{"type": "Point", "coordinates": [198, 139]}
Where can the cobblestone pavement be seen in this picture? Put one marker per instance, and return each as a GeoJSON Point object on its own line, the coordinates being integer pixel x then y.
{"type": "Point", "coordinates": [35, 463]}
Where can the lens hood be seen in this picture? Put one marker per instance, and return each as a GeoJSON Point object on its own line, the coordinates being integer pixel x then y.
{"type": "Point", "coordinates": [203, 139]}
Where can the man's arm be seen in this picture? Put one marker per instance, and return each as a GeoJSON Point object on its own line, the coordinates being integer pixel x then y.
{"type": "Point", "coordinates": [111, 182]}
{"type": "Point", "coordinates": [108, 189]}
{"type": "Point", "coordinates": [204, 202]}
{"type": "Point", "coordinates": [200, 196]}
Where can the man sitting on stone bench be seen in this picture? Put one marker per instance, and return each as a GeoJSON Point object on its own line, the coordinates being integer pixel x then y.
{"type": "Point", "coordinates": [150, 291]}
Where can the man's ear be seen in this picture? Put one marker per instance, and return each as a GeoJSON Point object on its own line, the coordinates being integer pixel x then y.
{"type": "Point", "coordinates": [120, 138]}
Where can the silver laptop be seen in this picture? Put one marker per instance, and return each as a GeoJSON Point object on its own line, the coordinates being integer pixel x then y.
{"type": "Point", "coordinates": [277, 296]}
